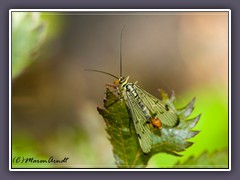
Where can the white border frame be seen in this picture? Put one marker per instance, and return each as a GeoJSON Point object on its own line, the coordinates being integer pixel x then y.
{"type": "Point", "coordinates": [121, 10]}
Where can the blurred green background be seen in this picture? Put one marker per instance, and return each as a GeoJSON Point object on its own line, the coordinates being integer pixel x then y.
{"type": "Point", "coordinates": [54, 100]}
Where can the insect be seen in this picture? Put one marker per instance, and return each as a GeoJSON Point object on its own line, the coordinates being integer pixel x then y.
{"type": "Point", "coordinates": [146, 111]}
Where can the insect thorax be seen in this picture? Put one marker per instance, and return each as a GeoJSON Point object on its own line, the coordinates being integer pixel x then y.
{"type": "Point", "coordinates": [131, 89]}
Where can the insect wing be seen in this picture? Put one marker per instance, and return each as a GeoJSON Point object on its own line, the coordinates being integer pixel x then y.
{"type": "Point", "coordinates": [140, 123]}
{"type": "Point", "coordinates": [166, 114]}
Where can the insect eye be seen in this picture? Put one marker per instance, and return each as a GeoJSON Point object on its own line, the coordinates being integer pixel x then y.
{"type": "Point", "coordinates": [122, 80]}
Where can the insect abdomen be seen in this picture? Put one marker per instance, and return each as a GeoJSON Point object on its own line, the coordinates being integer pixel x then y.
{"type": "Point", "coordinates": [130, 88]}
{"type": "Point", "coordinates": [156, 123]}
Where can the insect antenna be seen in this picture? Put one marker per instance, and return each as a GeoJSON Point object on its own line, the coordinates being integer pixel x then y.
{"type": "Point", "coordinates": [121, 51]}
{"type": "Point", "coordinates": [94, 70]}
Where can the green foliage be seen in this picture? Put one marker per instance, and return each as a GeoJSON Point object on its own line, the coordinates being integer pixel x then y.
{"type": "Point", "coordinates": [213, 104]}
{"type": "Point", "coordinates": [217, 159]}
{"type": "Point", "coordinates": [28, 32]}
{"type": "Point", "coordinates": [126, 149]}
{"type": "Point", "coordinates": [24, 148]}
{"type": "Point", "coordinates": [122, 135]}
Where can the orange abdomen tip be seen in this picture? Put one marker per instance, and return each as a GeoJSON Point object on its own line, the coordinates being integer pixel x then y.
{"type": "Point", "coordinates": [156, 123]}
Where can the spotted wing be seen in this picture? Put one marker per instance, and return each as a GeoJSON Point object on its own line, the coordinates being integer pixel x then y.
{"type": "Point", "coordinates": [140, 123]}
{"type": "Point", "coordinates": [161, 110]}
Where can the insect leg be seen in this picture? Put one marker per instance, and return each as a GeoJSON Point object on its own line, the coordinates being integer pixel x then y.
{"type": "Point", "coordinates": [114, 102]}
{"type": "Point", "coordinates": [111, 85]}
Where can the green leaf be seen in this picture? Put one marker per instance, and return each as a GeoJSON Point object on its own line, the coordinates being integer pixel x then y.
{"type": "Point", "coordinates": [24, 147]}
{"type": "Point", "coordinates": [122, 135]}
{"type": "Point", "coordinates": [217, 159]}
{"type": "Point", "coordinates": [28, 32]}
